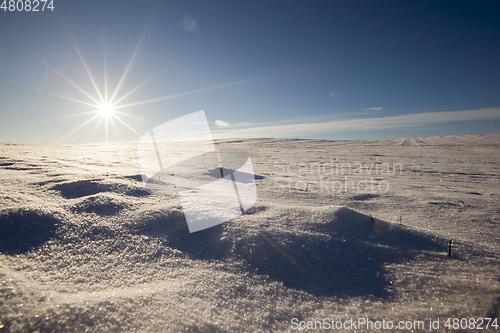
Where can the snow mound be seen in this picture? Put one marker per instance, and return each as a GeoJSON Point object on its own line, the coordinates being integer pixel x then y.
{"type": "Point", "coordinates": [100, 204]}
{"type": "Point", "coordinates": [326, 251]}
{"type": "Point", "coordinates": [333, 251]}
{"type": "Point", "coordinates": [25, 229]}
{"type": "Point", "coordinates": [83, 188]}
{"type": "Point", "coordinates": [171, 229]}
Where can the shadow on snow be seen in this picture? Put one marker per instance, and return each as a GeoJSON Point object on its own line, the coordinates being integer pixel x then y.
{"type": "Point", "coordinates": [341, 253]}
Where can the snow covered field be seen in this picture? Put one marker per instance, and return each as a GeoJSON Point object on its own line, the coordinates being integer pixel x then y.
{"type": "Point", "coordinates": [83, 246]}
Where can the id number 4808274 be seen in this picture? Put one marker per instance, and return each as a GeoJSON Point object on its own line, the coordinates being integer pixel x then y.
{"type": "Point", "coordinates": [27, 5]}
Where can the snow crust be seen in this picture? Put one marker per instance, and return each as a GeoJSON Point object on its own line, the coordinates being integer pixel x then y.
{"type": "Point", "coordinates": [85, 247]}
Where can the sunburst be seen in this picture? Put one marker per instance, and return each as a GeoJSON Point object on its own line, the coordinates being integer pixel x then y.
{"type": "Point", "coordinates": [105, 107]}
{"type": "Point", "coordinates": [106, 110]}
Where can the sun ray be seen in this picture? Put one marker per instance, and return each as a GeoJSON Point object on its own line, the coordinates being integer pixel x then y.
{"type": "Point", "coordinates": [84, 63]}
{"type": "Point", "coordinates": [66, 79]}
{"type": "Point", "coordinates": [44, 79]}
{"type": "Point", "coordinates": [80, 127]}
{"type": "Point", "coordinates": [135, 117]}
{"type": "Point", "coordinates": [103, 106]}
{"type": "Point", "coordinates": [60, 96]}
{"type": "Point", "coordinates": [105, 71]}
{"type": "Point", "coordinates": [114, 127]}
{"type": "Point", "coordinates": [132, 58]}
{"type": "Point", "coordinates": [127, 125]}
{"type": "Point", "coordinates": [106, 109]}
{"type": "Point", "coordinates": [95, 128]}
{"type": "Point", "coordinates": [106, 128]}
{"type": "Point", "coordinates": [137, 87]}
{"type": "Point", "coordinates": [75, 115]}
{"type": "Point", "coordinates": [191, 92]}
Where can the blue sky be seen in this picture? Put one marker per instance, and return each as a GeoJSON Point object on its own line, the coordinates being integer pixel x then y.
{"type": "Point", "coordinates": [292, 69]}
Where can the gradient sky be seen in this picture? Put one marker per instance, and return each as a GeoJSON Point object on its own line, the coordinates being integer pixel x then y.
{"type": "Point", "coordinates": [294, 69]}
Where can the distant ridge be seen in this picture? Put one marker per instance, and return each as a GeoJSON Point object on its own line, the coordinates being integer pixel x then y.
{"type": "Point", "coordinates": [450, 140]}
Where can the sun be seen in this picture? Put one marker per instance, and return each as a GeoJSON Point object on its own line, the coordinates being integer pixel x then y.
{"type": "Point", "coordinates": [106, 110]}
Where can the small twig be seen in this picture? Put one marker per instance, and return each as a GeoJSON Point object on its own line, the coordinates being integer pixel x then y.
{"type": "Point", "coordinates": [400, 220]}
{"type": "Point", "coordinates": [372, 218]}
{"type": "Point", "coordinates": [205, 166]}
{"type": "Point", "coordinates": [449, 248]}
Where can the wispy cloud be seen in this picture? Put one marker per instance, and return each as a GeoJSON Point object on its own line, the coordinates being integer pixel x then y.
{"type": "Point", "coordinates": [333, 95]}
{"type": "Point", "coordinates": [221, 123]}
{"type": "Point", "coordinates": [378, 108]}
{"type": "Point", "coordinates": [311, 129]}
